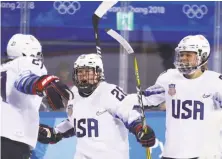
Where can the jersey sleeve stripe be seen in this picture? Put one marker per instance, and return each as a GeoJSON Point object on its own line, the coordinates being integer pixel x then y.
{"type": "Point", "coordinates": [154, 90]}
{"type": "Point", "coordinates": [148, 93]}
{"type": "Point", "coordinates": [25, 83]}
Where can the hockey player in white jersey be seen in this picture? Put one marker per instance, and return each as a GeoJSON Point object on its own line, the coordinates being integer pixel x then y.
{"type": "Point", "coordinates": [100, 116]}
{"type": "Point", "coordinates": [193, 102]}
{"type": "Point", "coordinates": [24, 81]}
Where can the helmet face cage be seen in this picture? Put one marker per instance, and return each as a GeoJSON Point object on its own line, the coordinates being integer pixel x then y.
{"type": "Point", "coordinates": [189, 67]}
{"type": "Point", "coordinates": [196, 44]}
{"type": "Point", "coordinates": [87, 86]}
{"type": "Point", "coordinates": [185, 67]}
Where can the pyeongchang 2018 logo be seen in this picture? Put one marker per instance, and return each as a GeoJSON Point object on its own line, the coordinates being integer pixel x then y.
{"type": "Point", "coordinates": [67, 7]}
{"type": "Point", "coordinates": [195, 11]}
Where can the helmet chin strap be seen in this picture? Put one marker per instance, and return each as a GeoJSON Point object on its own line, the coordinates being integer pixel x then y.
{"type": "Point", "coordinates": [186, 69]}
{"type": "Point", "coordinates": [85, 92]}
{"type": "Point", "coordinates": [193, 71]}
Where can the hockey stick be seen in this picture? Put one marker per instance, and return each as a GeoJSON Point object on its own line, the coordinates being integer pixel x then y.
{"type": "Point", "coordinates": [100, 11]}
{"type": "Point", "coordinates": [130, 50]}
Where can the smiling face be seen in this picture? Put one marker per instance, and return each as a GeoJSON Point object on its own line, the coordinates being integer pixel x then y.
{"type": "Point", "coordinates": [187, 58]}
{"type": "Point", "coordinates": [186, 62]}
{"type": "Point", "coordinates": [192, 52]}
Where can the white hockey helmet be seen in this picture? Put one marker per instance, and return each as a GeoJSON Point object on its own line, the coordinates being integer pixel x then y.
{"type": "Point", "coordinates": [24, 45]}
{"type": "Point", "coordinates": [88, 61]}
{"type": "Point", "coordinates": [192, 43]}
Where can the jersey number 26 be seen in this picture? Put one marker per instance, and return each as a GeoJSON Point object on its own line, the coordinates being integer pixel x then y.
{"type": "Point", "coordinates": [119, 94]}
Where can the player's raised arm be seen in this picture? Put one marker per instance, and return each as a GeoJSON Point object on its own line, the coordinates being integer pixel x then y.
{"type": "Point", "coordinates": [31, 74]}
{"type": "Point", "coordinates": [49, 135]}
{"type": "Point", "coordinates": [45, 85]}
{"type": "Point", "coordinates": [24, 81]}
{"type": "Point", "coordinates": [155, 95]}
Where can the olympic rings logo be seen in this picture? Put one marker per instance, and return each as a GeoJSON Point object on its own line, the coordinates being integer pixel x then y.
{"type": "Point", "coordinates": [66, 7]}
{"type": "Point", "coordinates": [195, 11]}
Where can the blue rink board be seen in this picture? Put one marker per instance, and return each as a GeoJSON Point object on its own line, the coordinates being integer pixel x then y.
{"type": "Point", "coordinates": [65, 149]}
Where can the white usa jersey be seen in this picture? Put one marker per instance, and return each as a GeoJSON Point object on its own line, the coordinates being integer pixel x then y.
{"type": "Point", "coordinates": [20, 111]}
{"type": "Point", "coordinates": [100, 122]}
{"type": "Point", "coordinates": [192, 123]}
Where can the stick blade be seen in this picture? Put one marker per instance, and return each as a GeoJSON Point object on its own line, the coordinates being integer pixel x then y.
{"type": "Point", "coordinates": [104, 7]}
{"type": "Point", "coordinates": [121, 40]}
{"type": "Point", "coordinates": [100, 11]}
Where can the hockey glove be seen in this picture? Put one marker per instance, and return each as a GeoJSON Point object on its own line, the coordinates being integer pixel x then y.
{"type": "Point", "coordinates": [42, 82]}
{"type": "Point", "coordinates": [47, 135]}
{"type": "Point", "coordinates": [146, 139]}
{"type": "Point", "coordinates": [56, 92]}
